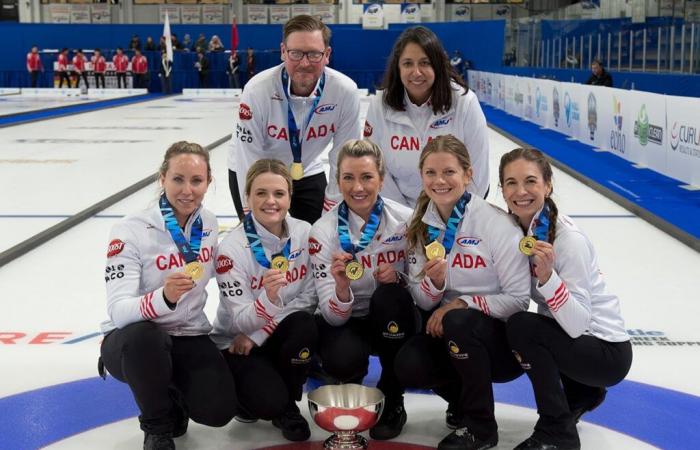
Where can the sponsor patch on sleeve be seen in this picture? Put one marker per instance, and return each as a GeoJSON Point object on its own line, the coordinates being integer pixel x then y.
{"type": "Point", "coordinates": [115, 247]}
{"type": "Point", "coordinates": [314, 246]}
{"type": "Point", "coordinates": [223, 264]}
{"type": "Point", "coordinates": [244, 112]}
{"type": "Point", "coordinates": [368, 129]}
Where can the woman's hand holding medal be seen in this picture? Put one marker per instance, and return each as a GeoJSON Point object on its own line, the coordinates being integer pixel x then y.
{"type": "Point", "coordinates": [342, 282]}
{"type": "Point", "coordinates": [273, 281]}
{"type": "Point", "coordinates": [543, 261]}
{"type": "Point", "coordinates": [176, 284]}
{"type": "Point", "coordinates": [436, 270]}
{"type": "Point", "coordinates": [241, 345]}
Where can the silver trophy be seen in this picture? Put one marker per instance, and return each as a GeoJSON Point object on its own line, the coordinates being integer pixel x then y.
{"type": "Point", "coordinates": [345, 410]}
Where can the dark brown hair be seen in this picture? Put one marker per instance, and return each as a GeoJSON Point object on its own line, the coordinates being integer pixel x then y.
{"type": "Point", "coordinates": [441, 96]}
{"type": "Point", "coordinates": [306, 23]}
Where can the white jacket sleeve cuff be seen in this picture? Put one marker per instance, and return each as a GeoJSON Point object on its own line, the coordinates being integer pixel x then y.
{"type": "Point", "coordinates": [270, 308]}
{"type": "Point", "coordinates": [554, 291]}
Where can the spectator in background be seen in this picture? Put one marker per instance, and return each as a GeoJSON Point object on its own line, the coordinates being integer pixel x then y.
{"type": "Point", "coordinates": [34, 65]}
{"type": "Point", "coordinates": [121, 63]}
{"type": "Point", "coordinates": [187, 43]}
{"type": "Point", "coordinates": [250, 63]}
{"type": "Point", "coordinates": [215, 44]}
{"type": "Point", "coordinates": [161, 44]}
{"type": "Point", "coordinates": [79, 69]}
{"type": "Point", "coordinates": [599, 77]}
{"type": "Point", "coordinates": [135, 42]}
{"type": "Point", "coordinates": [232, 70]}
{"type": "Point", "coordinates": [176, 44]}
{"type": "Point", "coordinates": [202, 66]}
{"type": "Point", "coordinates": [166, 68]}
{"type": "Point", "coordinates": [139, 70]}
{"type": "Point", "coordinates": [99, 66]}
{"type": "Point", "coordinates": [200, 43]}
{"type": "Point", "coordinates": [150, 45]}
{"type": "Point", "coordinates": [62, 68]}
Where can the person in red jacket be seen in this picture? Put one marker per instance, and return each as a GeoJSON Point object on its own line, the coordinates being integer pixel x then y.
{"type": "Point", "coordinates": [79, 69]}
{"type": "Point", "coordinates": [34, 65]}
{"type": "Point", "coordinates": [62, 68]}
{"type": "Point", "coordinates": [121, 63]}
{"type": "Point", "coordinates": [99, 66]}
{"type": "Point", "coordinates": [139, 69]}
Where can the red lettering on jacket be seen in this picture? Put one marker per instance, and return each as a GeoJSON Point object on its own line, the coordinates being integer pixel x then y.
{"type": "Point", "coordinates": [467, 261]}
{"type": "Point", "coordinates": [390, 257]}
{"type": "Point", "coordinates": [404, 143]}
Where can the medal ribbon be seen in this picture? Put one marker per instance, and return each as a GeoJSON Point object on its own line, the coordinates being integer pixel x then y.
{"type": "Point", "coordinates": [190, 250]}
{"type": "Point", "coordinates": [448, 239]}
{"type": "Point", "coordinates": [294, 134]}
{"type": "Point", "coordinates": [367, 234]}
{"type": "Point", "coordinates": [541, 225]}
{"type": "Point", "coordinates": [256, 245]}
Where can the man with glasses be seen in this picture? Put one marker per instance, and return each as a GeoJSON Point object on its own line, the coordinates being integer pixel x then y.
{"type": "Point", "coordinates": [293, 112]}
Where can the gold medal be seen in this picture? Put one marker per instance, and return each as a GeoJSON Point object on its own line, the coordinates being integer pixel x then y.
{"type": "Point", "coordinates": [296, 170]}
{"type": "Point", "coordinates": [354, 270]}
{"type": "Point", "coordinates": [526, 245]}
{"type": "Point", "coordinates": [195, 270]}
{"type": "Point", "coordinates": [280, 263]}
{"type": "Point", "coordinates": [434, 250]}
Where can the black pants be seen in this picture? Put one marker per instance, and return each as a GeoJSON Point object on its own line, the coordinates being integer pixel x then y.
{"type": "Point", "coordinates": [83, 75]}
{"type": "Point", "coordinates": [34, 74]}
{"type": "Point", "coordinates": [307, 198]}
{"type": "Point", "coordinates": [461, 366]}
{"type": "Point", "coordinates": [272, 376]}
{"type": "Point", "coordinates": [565, 372]}
{"type": "Point", "coordinates": [63, 76]}
{"type": "Point", "coordinates": [98, 77]}
{"type": "Point", "coordinates": [155, 365]}
{"type": "Point", "coordinates": [139, 80]}
{"type": "Point", "coordinates": [345, 350]}
{"type": "Point", "coordinates": [203, 80]}
{"type": "Point", "coordinates": [121, 80]}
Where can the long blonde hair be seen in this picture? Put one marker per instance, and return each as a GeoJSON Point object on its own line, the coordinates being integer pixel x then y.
{"type": "Point", "coordinates": [417, 233]}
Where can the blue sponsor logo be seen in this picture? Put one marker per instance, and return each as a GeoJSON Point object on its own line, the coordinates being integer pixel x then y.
{"type": "Point", "coordinates": [328, 107]}
{"type": "Point", "coordinates": [461, 11]}
{"type": "Point", "coordinates": [372, 9]}
{"type": "Point", "coordinates": [441, 123]}
{"type": "Point", "coordinates": [295, 254]}
{"type": "Point", "coordinates": [394, 238]}
{"type": "Point", "coordinates": [468, 241]}
{"type": "Point", "coordinates": [410, 9]}
{"type": "Point", "coordinates": [206, 233]}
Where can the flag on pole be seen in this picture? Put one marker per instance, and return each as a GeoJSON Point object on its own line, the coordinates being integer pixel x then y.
{"type": "Point", "coordinates": [168, 38]}
{"type": "Point", "coordinates": [234, 35]}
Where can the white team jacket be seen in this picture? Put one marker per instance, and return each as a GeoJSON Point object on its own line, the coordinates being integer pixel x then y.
{"type": "Point", "coordinates": [575, 295]}
{"type": "Point", "coordinates": [261, 128]}
{"type": "Point", "coordinates": [485, 268]}
{"type": "Point", "coordinates": [402, 142]}
{"type": "Point", "coordinates": [140, 255]}
{"type": "Point", "coordinates": [243, 303]}
{"type": "Point", "coordinates": [388, 246]}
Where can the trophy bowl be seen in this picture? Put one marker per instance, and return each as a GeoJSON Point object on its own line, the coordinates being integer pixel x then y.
{"type": "Point", "coordinates": [345, 410]}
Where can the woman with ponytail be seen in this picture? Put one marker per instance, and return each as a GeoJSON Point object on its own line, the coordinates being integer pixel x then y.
{"type": "Point", "coordinates": [576, 344]}
{"type": "Point", "coordinates": [468, 277]}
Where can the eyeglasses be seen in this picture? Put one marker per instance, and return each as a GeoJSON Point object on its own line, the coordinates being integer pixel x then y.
{"type": "Point", "coordinates": [313, 56]}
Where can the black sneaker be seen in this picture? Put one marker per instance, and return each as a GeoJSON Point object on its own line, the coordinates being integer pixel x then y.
{"type": "Point", "coordinates": [578, 411]}
{"type": "Point", "coordinates": [158, 442]}
{"type": "Point", "coordinates": [293, 425]}
{"type": "Point", "coordinates": [463, 439]}
{"type": "Point", "coordinates": [390, 423]}
{"type": "Point", "coordinates": [244, 417]}
{"type": "Point", "coordinates": [453, 420]}
{"type": "Point", "coordinates": [532, 443]}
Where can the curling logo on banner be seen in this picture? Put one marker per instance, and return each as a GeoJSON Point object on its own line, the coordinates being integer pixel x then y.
{"type": "Point", "coordinates": [592, 115]}
{"type": "Point", "coordinates": [541, 107]}
{"type": "Point", "coordinates": [571, 113]}
{"type": "Point", "coordinates": [646, 132]}
{"type": "Point", "coordinates": [685, 139]}
{"type": "Point", "coordinates": [617, 137]}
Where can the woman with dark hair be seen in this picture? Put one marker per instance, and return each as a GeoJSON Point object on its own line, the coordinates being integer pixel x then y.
{"type": "Point", "coordinates": [468, 277]}
{"type": "Point", "coordinates": [159, 262]}
{"type": "Point", "coordinates": [422, 98]}
{"type": "Point", "coordinates": [264, 324]}
{"type": "Point", "coordinates": [576, 344]}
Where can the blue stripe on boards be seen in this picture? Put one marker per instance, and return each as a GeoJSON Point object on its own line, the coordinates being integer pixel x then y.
{"type": "Point", "coordinates": [658, 416]}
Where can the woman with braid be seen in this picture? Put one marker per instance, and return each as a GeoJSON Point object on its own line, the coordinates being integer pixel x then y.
{"type": "Point", "coordinates": [576, 344]}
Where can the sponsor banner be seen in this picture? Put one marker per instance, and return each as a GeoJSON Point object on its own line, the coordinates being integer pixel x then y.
{"type": "Point", "coordinates": [191, 13]}
{"type": "Point", "coordinates": [616, 121]}
{"type": "Point", "coordinates": [460, 13]}
{"type": "Point", "coordinates": [279, 14]}
{"type": "Point", "coordinates": [571, 106]}
{"type": "Point", "coordinates": [301, 10]}
{"type": "Point", "coordinates": [683, 143]}
{"type": "Point", "coordinates": [372, 16]}
{"type": "Point", "coordinates": [173, 13]}
{"type": "Point", "coordinates": [212, 14]}
{"type": "Point", "coordinates": [410, 13]}
{"type": "Point", "coordinates": [647, 142]}
{"type": "Point", "coordinates": [325, 12]}
{"type": "Point", "coordinates": [542, 102]}
{"type": "Point", "coordinates": [80, 14]}
{"type": "Point", "coordinates": [514, 95]}
{"type": "Point", "coordinates": [528, 98]}
{"type": "Point", "coordinates": [59, 13]}
{"type": "Point", "coordinates": [101, 13]}
{"type": "Point", "coordinates": [592, 100]}
{"type": "Point", "coordinates": [257, 14]}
